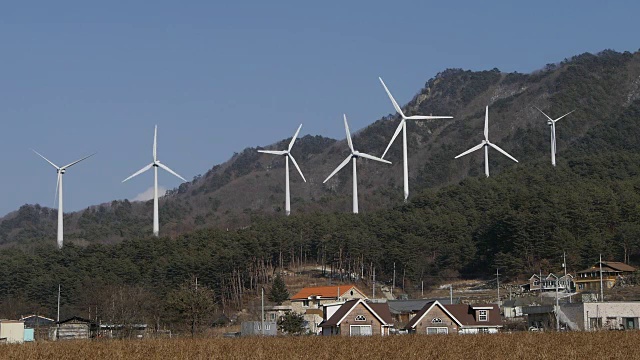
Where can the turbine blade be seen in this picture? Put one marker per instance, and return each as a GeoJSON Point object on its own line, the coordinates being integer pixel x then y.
{"type": "Point", "coordinates": [422, 117]}
{"type": "Point", "coordinates": [486, 124]}
{"type": "Point", "coordinates": [393, 138]}
{"type": "Point", "coordinates": [155, 143]}
{"type": "Point", "coordinates": [293, 139]}
{"type": "Point", "coordinates": [563, 115]}
{"type": "Point", "coordinates": [346, 128]}
{"type": "Point", "coordinates": [171, 171]}
{"type": "Point", "coordinates": [477, 147]}
{"type": "Point", "coordinates": [367, 156]}
{"type": "Point", "coordinates": [550, 119]}
{"type": "Point", "coordinates": [77, 161]}
{"type": "Point", "coordinates": [393, 101]}
{"type": "Point", "coordinates": [297, 167]}
{"type": "Point", "coordinates": [502, 151]}
{"type": "Point", "coordinates": [52, 164]}
{"type": "Point", "coordinates": [343, 164]}
{"type": "Point", "coordinates": [139, 172]}
{"type": "Point", "coordinates": [273, 152]}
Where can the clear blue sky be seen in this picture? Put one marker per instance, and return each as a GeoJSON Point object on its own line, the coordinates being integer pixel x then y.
{"type": "Point", "coordinates": [78, 77]}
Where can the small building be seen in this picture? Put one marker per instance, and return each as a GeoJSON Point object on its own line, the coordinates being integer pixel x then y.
{"type": "Point", "coordinates": [310, 301]}
{"type": "Point", "coordinates": [39, 325]}
{"type": "Point", "coordinates": [12, 331]}
{"type": "Point", "coordinates": [436, 318]}
{"type": "Point", "coordinates": [357, 317]}
{"type": "Point", "coordinates": [74, 328]}
{"type": "Point", "coordinates": [254, 328]}
{"type": "Point", "coordinates": [612, 272]}
{"type": "Point", "coordinates": [513, 308]}
{"type": "Point", "coordinates": [276, 312]}
{"type": "Point", "coordinates": [540, 317]}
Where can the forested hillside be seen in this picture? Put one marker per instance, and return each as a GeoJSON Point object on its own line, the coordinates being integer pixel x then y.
{"type": "Point", "coordinates": [602, 89]}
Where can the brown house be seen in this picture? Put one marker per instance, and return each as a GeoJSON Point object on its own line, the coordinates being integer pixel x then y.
{"type": "Point", "coordinates": [612, 272]}
{"type": "Point", "coordinates": [436, 318]}
{"type": "Point", "coordinates": [358, 318]}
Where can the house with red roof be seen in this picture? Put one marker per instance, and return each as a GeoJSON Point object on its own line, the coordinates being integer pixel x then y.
{"type": "Point", "coordinates": [357, 317]}
{"type": "Point", "coordinates": [310, 301]}
{"type": "Point", "coordinates": [436, 318]}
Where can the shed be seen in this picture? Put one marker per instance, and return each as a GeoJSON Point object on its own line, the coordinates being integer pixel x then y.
{"type": "Point", "coordinates": [12, 331]}
{"type": "Point", "coordinates": [252, 328]}
{"type": "Point", "coordinates": [73, 329]}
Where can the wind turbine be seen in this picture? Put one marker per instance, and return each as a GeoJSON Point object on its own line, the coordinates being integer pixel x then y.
{"type": "Point", "coordinates": [403, 126]}
{"type": "Point", "coordinates": [353, 157]}
{"type": "Point", "coordinates": [287, 155]}
{"type": "Point", "coordinates": [552, 127]}
{"type": "Point", "coordinates": [60, 170]}
{"type": "Point", "coordinates": [155, 164]}
{"type": "Point", "coordinates": [486, 143]}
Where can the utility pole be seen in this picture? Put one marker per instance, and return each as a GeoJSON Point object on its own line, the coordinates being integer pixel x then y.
{"type": "Point", "coordinates": [262, 313]}
{"type": "Point", "coordinates": [557, 308]}
{"type": "Point", "coordinates": [498, 283]}
{"type": "Point", "coordinates": [451, 294]}
{"type": "Point", "coordinates": [422, 288]}
{"type": "Point", "coordinates": [393, 285]}
{"type": "Point", "coordinates": [58, 317]}
{"type": "Point", "coordinates": [601, 288]}
{"type": "Point", "coordinates": [374, 282]}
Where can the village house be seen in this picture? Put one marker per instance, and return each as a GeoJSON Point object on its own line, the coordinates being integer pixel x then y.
{"type": "Point", "coordinates": [357, 317]}
{"type": "Point", "coordinates": [551, 282]}
{"type": "Point", "coordinates": [436, 318]}
{"type": "Point", "coordinates": [310, 301]}
{"type": "Point", "coordinates": [612, 272]}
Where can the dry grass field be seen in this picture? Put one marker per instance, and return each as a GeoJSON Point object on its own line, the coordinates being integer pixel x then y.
{"type": "Point", "coordinates": [597, 345]}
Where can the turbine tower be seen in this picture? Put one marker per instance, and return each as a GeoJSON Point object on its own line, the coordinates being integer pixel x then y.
{"type": "Point", "coordinates": [60, 170]}
{"type": "Point", "coordinates": [403, 126]}
{"type": "Point", "coordinates": [155, 164]}
{"type": "Point", "coordinates": [353, 157]}
{"type": "Point", "coordinates": [287, 155]}
{"type": "Point", "coordinates": [552, 128]}
{"type": "Point", "coordinates": [485, 144]}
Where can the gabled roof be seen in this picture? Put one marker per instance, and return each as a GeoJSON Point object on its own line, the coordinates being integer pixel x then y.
{"type": "Point", "coordinates": [427, 307]}
{"type": "Point", "coordinates": [534, 276]}
{"type": "Point", "coordinates": [551, 275]}
{"type": "Point", "coordinates": [609, 266]}
{"type": "Point", "coordinates": [75, 319]}
{"type": "Point", "coordinates": [379, 310]}
{"type": "Point", "coordinates": [325, 292]}
{"type": "Point", "coordinates": [467, 317]}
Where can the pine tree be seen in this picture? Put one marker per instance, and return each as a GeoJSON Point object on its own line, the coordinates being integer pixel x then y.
{"type": "Point", "coordinates": [279, 292]}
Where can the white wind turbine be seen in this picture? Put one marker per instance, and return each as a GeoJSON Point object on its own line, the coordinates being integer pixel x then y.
{"type": "Point", "coordinates": [486, 143]}
{"type": "Point", "coordinates": [552, 127]}
{"type": "Point", "coordinates": [155, 164]}
{"type": "Point", "coordinates": [403, 126]}
{"type": "Point", "coordinates": [60, 170]}
{"type": "Point", "coordinates": [287, 155]}
{"type": "Point", "coordinates": [353, 157]}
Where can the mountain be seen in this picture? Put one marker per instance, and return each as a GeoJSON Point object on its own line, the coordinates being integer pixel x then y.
{"type": "Point", "coordinates": [604, 89]}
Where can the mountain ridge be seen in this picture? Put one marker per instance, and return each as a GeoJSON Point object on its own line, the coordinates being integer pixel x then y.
{"type": "Point", "coordinates": [601, 87]}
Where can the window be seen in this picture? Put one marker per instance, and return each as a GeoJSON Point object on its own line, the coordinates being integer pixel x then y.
{"type": "Point", "coordinates": [360, 330]}
{"type": "Point", "coordinates": [272, 316]}
{"type": "Point", "coordinates": [360, 318]}
{"type": "Point", "coordinates": [437, 330]}
{"type": "Point", "coordinates": [267, 326]}
{"type": "Point", "coordinates": [436, 321]}
{"type": "Point", "coordinates": [351, 293]}
{"type": "Point", "coordinates": [483, 315]}
{"type": "Point", "coordinates": [305, 303]}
